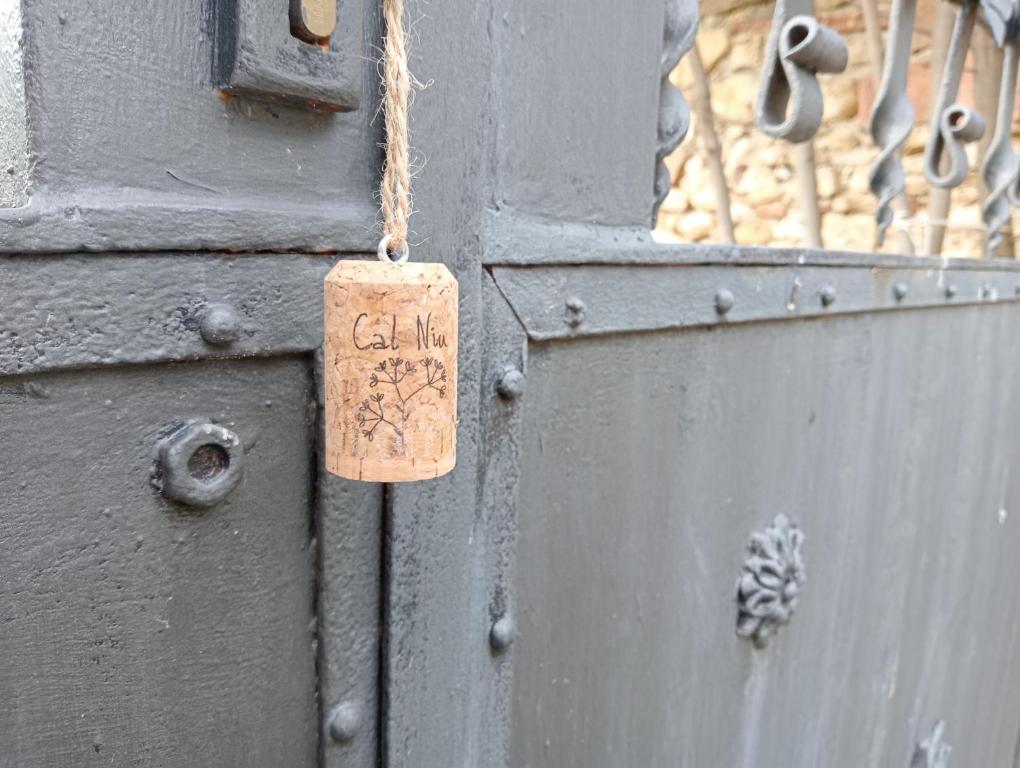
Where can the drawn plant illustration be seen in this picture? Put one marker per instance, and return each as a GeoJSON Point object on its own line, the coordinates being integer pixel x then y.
{"type": "Point", "coordinates": [394, 373]}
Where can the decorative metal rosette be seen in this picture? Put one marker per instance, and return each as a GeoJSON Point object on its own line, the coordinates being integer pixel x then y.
{"type": "Point", "coordinates": [770, 584]}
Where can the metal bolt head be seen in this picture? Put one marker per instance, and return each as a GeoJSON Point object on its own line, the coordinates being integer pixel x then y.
{"type": "Point", "coordinates": [344, 721]}
{"type": "Point", "coordinates": [986, 292]}
{"type": "Point", "coordinates": [827, 295]}
{"type": "Point", "coordinates": [724, 301]}
{"type": "Point", "coordinates": [900, 291]}
{"type": "Point", "coordinates": [220, 324]}
{"type": "Point", "coordinates": [574, 312]}
{"type": "Point", "coordinates": [502, 633]}
{"type": "Point", "coordinates": [951, 291]}
{"type": "Point", "coordinates": [511, 384]}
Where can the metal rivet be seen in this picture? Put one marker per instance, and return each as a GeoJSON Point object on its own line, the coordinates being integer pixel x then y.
{"type": "Point", "coordinates": [220, 324]}
{"type": "Point", "coordinates": [900, 291]}
{"type": "Point", "coordinates": [828, 295]}
{"type": "Point", "coordinates": [200, 463]}
{"type": "Point", "coordinates": [344, 721]}
{"type": "Point", "coordinates": [724, 301]}
{"type": "Point", "coordinates": [950, 290]}
{"type": "Point", "coordinates": [502, 633]}
{"type": "Point", "coordinates": [575, 312]}
{"type": "Point", "coordinates": [986, 292]}
{"type": "Point", "coordinates": [511, 384]}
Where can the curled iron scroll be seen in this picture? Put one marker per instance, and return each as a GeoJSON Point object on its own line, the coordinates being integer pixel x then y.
{"type": "Point", "coordinates": [681, 25]}
{"type": "Point", "coordinates": [953, 125]}
{"type": "Point", "coordinates": [1001, 168]}
{"type": "Point", "coordinates": [892, 117]}
{"type": "Point", "coordinates": [790, 100]}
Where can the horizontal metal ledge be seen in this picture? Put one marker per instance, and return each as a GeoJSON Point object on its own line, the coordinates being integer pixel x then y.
{"type": "Point", "coordinates": [559, 302]}
{"type": "Point", "coordinates": [84, 311]}
{"type": "Point", "coordinates": [515, 240]}
{"type": "Point", "coordinates": [119, 222]}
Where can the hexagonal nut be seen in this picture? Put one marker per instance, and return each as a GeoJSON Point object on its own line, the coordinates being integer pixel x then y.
{"type": "Point", "coordinates": [201, 463]}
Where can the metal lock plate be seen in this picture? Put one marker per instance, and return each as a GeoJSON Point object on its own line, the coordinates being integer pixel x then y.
{"type": "Point", "coordinates": [307, 55]}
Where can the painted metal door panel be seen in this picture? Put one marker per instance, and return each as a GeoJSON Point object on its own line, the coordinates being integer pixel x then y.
{"type": "Point", "coordinates": [647, 459]}
{"type": "Point", "coordinates": [135, 630]}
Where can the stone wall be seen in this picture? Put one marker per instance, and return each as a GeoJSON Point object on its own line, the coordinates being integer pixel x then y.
{"type": "Point", "coordinates": [760, 170]}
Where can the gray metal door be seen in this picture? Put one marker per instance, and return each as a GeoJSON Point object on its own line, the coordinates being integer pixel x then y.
{"type": "Point", "coordinates": [181, 583]}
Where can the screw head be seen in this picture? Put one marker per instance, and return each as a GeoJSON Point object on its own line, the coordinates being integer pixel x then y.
{"type": "Point", "coordinates": [900, 291]}
{"type": "Point", "coordinates": [574, 312]}
{"type": "Point", "coordinates": [827, 295]}
{"type": "Point", "coordinates": [511, 384]}
{"type": "Point", "coordinates": [502, 633]}
{"type": "Point", "coordinates": [951, 291]}
{"type": "Point", "coordinates": [724, 301]}
{"type": "Point", "coordinates": [220, 324]}
{"type": "Point", "coordinates": [344, 721]}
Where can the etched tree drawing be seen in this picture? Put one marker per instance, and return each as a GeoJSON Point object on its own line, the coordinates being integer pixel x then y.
{"type": "Point", "coordinates": [394, 372]}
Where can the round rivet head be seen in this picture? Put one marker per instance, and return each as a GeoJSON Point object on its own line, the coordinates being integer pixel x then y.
{"type": "Point", "coordinates": [511, 384]}
{"type": "Point", "coordinates": [951, 291]}
{"type": "Point", "coordinates": [827, 295]}
{"type": "Point", "coordinates": [220, 324]}
{"type": "Point", "coordinates": [344, 721]}
{"type": "Point", "coordinates": [502, 633]}
{"type": "Point", "coordinates": [900, 291]}
{"type": "Point", "coordinates": [200, 463]}
{"type": "Point", "coordinates": [574, 314]}
{"type": "Point", "coordinates": [724, 301]}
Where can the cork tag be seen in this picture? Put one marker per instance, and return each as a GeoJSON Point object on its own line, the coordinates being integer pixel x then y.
{"type": "Point", "coordinates": [390, 370]}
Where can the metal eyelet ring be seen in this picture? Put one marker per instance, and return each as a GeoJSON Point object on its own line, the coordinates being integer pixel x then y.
{"type": "Point", "coordinates": [201, 464]}
{"type": "Point", "coordinates": [383, 252]}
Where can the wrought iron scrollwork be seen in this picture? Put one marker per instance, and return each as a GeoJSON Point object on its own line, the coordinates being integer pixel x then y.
{"type": "Point", "coordinates": [933, 752]}
{"type": "Point", "coordinates": [1002, 166]}
{"type": "Point", "coordinates": [790, 101]}
{"type": "Point", "coordinates": [681, 25]}
{"type": "Point", "coordinates": [769, 587]}
{"type": "Point", "coordinates": [953, 124]}
{"type": "Point", "coordinates": [892, 117]}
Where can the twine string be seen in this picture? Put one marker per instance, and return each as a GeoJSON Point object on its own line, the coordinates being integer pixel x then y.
{"type": "Point", "coordinates": [395, 189]}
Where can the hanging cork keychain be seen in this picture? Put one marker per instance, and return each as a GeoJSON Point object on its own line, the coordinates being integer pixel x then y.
{"type": "Point", "coordinates": [391, 328]}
